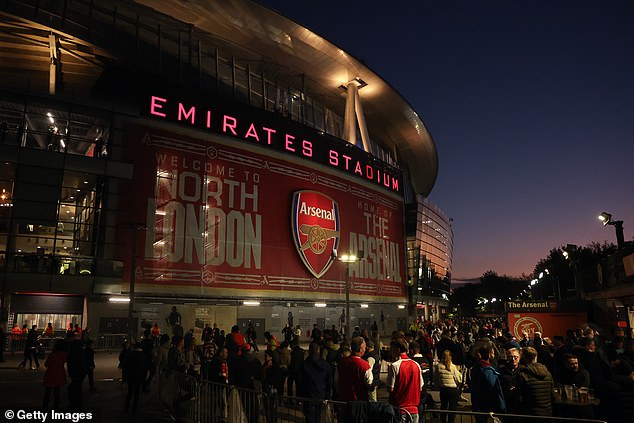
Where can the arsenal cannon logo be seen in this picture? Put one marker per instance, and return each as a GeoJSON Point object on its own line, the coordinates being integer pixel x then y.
{"type": "Point", "coordinates": [315, 228]}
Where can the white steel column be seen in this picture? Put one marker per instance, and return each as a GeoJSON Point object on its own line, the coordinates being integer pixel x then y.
{"type": "Point", "coordinates": [354, 117]}
{"type": "Point", "coordinates": [365, 137]}
{"type": "Point", "coordinates": [349, 122]}
{"type": "Point", "coordinates": [53, 60]}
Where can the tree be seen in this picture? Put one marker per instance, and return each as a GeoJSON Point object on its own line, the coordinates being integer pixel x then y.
{"type": "Point", "coordinates": [489, 295]}
{"type": "Point", "coordinates": [558, 272]}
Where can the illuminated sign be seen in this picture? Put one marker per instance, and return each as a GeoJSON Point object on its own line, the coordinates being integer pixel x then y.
{"type": "Point", "coordinates": [523, 305]}
{"type": "Point", "coordinates": [270, 131]}
{"type": "Point", "coordinates": [218, 224]}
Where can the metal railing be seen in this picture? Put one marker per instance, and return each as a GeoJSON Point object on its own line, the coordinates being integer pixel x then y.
{"type": "Point", "coordinates": [15, 344]}
{"type": "Point", "coordinates": [109, 342]}
{"type": "Point", "coordinates": [189, 399]}
{"type": "Point", "coordinates": [464, 416]}
{"type": "Point", "coordinates": [106, 342]}
{"type": "Point", "coordinates": [60, 265]}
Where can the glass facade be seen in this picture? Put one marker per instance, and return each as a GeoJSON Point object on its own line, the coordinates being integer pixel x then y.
{"type": "Point", "coordinates": [52, 186]}
{"type": "Point", "coordinates": [429, 249]}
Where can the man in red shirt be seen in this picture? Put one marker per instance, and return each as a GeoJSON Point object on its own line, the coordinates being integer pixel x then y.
{"type": "Point", "coordinates": [404, 382]}
{"type": "Point", "coordinates": [355, 374]}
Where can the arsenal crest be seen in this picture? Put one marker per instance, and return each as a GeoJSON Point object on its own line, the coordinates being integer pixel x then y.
{"type": "Point", "coordinates": [315, 228]}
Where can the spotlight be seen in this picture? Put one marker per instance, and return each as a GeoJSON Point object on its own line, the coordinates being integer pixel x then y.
{"type": "Point", "coordinates": [606, 218]}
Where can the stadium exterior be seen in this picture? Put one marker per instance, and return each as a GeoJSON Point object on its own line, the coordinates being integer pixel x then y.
{"type": "Point", "coordinates": [208, 156]}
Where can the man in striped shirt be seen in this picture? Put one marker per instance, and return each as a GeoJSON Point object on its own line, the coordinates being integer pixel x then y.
{"type": "Point", "coordinates": [404, 382]}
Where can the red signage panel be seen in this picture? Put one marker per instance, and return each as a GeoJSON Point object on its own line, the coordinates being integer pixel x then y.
{"type": "Point", "coordinates": [549, 324]}
{"type": "Point", "coordinates": [227, 219]}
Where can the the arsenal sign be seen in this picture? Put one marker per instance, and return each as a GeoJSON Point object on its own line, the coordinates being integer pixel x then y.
{"type": "Point", "coordinates": [315, 229]}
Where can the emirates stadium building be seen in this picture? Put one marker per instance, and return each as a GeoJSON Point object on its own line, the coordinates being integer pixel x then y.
{"type": "Point", "coordinates": [212, 156]}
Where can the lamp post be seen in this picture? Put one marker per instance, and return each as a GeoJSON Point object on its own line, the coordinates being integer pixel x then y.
{"type": "Point", "coordinates": [134, 230]}
{"type": "Point", "coordinates": [606, 218]}
{"type": "Point", "coordinates": [556, 289]}
{"type": "Point", "coordinates": [347, 259]}
{"type": "Point", "coordinates": [570, 254]}
{"type": "Point", "coordinates": [533, 283]}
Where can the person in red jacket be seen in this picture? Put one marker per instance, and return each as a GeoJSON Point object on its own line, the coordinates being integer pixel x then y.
{"type": "Point", "coordinates": [404, 381]}
{"type": "Point", "coordinates": [78, 330]}
{"type": "Point", "coordinates": [48, 332]}
{"type": "Point", "coordinates": [55, 376]}
{"type": "Point", "coordinates": [16, 335]}
{"type": "Point", "coordinates": [355, 374]}
{"type": "Point", "coordinates": [236, 342]}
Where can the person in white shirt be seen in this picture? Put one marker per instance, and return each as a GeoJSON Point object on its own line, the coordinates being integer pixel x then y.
{"type": "Point", "coordinates": [448, 380]}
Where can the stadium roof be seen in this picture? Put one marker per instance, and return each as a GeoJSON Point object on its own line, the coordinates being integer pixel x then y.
{"type": "Point", "coordinates": [277, 44]}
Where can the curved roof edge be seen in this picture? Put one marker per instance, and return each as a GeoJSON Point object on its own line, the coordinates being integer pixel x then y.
{"type": "Point", "coordinates": [275, 39]}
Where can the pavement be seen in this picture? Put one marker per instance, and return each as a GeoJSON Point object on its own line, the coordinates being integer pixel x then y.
{"type": "Point", "coordinates": [23, 390]}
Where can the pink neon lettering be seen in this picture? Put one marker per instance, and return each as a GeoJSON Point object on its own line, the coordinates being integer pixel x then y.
{"type": "Point", "coordinates": [268, 131]}
{"type": "Point", "coordinates": [252, 133]}
{"type": "Point", "coordinates": [347, 160]}
{"type": "Point", "coordinates": [333, 158]}
{"type": "Point", "coordinates": [289, 143]}
{"type": "Point", "coordinates": [208, 118]}
{"type": "Point", "coordinates": [154, 106]}
{"type": "Point", "coordinates": [357, 169]}
{"type": "Point", "coordinates": [395, 184]}
{"type": "Point", "coordinates": [231, 126]}
{"type": "Point", "coordinates": [369, 172]}
{"type": "Point", "coordinates": [187, 115]}
{"type": "Point", "coordinates": [307, 148]}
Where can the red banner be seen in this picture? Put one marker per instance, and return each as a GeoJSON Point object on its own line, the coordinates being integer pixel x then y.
{"type": "Point", "coordinates": [224, 219]}
{"type": "Point", "coordinates": [549, 324]}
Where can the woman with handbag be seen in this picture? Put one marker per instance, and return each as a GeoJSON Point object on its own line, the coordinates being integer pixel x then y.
{"type": "Point", "coordinates": [448, 380]}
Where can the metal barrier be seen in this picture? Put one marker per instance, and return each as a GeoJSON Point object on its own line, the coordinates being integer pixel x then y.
{"type": "Point", "coordinates": [297, 409]}
{"type": "Point", "coordinates": [15, 344]}
{"type": "Point", "coordinates": [464, 416]}
{"type": "Point", "coordinates": [188, 399]}
{"type": "Point", "coordinates": [191, 400]}
{"type": "Point", "coordinates": [109, 342]}
{"type": "Point", "coordinates": [48, 342]}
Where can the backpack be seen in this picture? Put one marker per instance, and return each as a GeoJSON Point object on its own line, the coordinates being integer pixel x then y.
{"type": "Point", "coordinates": [332, 357]}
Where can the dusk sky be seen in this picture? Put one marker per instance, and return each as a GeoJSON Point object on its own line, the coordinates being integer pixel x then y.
{"type": "Point", "coordinates": [530, 104]}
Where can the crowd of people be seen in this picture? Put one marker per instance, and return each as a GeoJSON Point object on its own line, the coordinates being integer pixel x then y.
{"type": "Point", "coordinates": [531, 375]}
{"type": "Point", "coordinates": [503, 374]}
{"type": "Point", "coordinates": [71, 353]}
